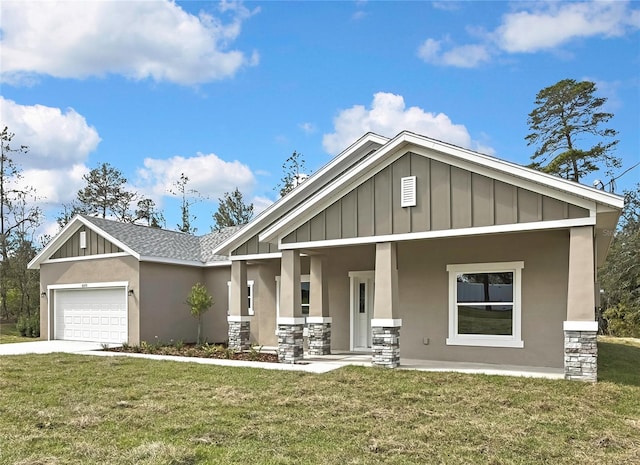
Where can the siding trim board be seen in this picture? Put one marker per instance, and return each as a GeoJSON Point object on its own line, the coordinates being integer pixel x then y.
{"type": "Point", "coordinates": [496, 229]}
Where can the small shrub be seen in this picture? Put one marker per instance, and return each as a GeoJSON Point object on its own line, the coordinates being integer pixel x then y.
{"type": "Point", "coordinates": [21, 326]}
{"type": "Point", "coordinates": [34, 323]}
{"type": "Point", "coordinates": [254, 352]}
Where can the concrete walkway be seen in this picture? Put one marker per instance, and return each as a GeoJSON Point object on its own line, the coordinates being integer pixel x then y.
{"type": "Point", "coordinates": [49, 347]}
{"type": "Point", "coordinates": [316, 364]}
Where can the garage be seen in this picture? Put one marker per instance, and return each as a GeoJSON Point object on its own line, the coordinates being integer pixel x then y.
{"type": "Point", "coordinates": [91, 314]}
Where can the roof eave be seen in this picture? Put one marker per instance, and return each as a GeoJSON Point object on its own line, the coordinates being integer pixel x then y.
{"type": "Point", "coordinates": [274, 211]}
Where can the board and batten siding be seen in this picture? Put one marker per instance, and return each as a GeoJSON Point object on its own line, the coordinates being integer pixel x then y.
{"type": "Point", "coordinates": [96, 245]}
{"type": "Point", "coordinates": [254, 247]}
{"type": "Point", "coordinates": [447, 198]}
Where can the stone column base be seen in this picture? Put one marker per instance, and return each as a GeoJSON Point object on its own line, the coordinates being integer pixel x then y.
{"type": "Point", "coordinates": [385, 343]}
{"type": "Point", "coordinates": [319, 335]}
{"type": "Point", "coordinates": [581, 351]}
{"type": "Point", "coordinates": [290, 340]}
{"type": "Point", "coordinates": [239, 330]}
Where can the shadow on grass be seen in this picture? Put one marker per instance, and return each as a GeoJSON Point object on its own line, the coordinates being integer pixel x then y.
{"type": "Point", "coordinates": [619, 362]}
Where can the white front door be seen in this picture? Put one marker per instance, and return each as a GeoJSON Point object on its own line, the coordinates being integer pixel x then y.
{"type": "Point", "coordinates": [362, 283]}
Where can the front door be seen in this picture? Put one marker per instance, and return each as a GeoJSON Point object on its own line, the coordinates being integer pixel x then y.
{"type": "Point", "coordinates": [361, 309]}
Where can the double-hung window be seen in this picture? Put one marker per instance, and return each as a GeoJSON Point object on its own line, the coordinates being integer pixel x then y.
{"type": "Point", "coordinates": [485, 304]}
{"type": "Point", "coordinates": [305, 287]}
{"type": "Point", "coordinates": [249, 296]}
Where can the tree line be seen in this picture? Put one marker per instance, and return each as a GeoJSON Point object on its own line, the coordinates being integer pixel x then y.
{"type": "Point", "coordinates": [565, 115]}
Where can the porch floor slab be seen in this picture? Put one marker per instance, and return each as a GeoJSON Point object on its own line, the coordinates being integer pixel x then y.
{"type": "Point", "coordinates": [360, 359]}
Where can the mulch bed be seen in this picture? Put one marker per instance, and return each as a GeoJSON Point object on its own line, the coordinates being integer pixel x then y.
{"type": "Point", "coordinates": [219, 351]}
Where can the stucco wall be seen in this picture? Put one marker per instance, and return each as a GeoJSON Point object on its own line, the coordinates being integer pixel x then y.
{"type": "Point", "coordinates": [215, 320]}
{"type": "Point", "coordinates": [423, 295]}
{"type": "Point", "coordinates": [163, 292]}
{"type": "Point", "coordinates": [97, 270]}
{"type": "Point", "coordinates": [424, 299]}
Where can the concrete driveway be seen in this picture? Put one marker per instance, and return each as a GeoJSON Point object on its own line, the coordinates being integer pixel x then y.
{"type": "Point", "coordinates": [48, 347]}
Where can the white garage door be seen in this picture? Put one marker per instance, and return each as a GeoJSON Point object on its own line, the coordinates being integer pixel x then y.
{"type": "Point", "coordinates": [97, 315]}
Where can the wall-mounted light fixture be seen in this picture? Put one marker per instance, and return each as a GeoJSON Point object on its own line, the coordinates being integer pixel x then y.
{"type": "Point", "coordinates": [43, 294]}
{"type": "Point", "coordinates": [130, 293]}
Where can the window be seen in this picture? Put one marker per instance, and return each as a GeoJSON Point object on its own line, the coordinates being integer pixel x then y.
{"type": "Point", "coordinates": [249, 293]}
{"type": "Point", "coordinates": [484, 304]}
{"type": "Point", "coordinates": [305, 288]}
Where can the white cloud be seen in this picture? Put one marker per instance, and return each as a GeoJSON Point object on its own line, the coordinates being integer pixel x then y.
{"type": "Point", "coordinates": [56, 186]}
{"type": "Point", "coordinates": [139, 40]}
{"type": "Point", "coordinates": [388, 116]}
{"type": "Point", "coordinates": [56, 139]}
{"type": "Point", "coordinates": [464, 56]}
{"type": "Point", "coordinates": [260, 204]}
{"type": "Point", "coordinates": [535, 27]}
{"type": "Point", "coordinates": [207, 173]}
{"type": "Point", "coordinates": [557, 23]}
{"type": "Point", "coordinates": [307, 128]}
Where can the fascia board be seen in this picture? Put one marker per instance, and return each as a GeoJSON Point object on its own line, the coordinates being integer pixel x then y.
{"type": "Point", "coordinates": [170, 261]}
{"type": "Point", "coordinates": [279, 208]}
{"type": "Point", "coordinates": [110, 238]}
{"type": "Point", "coordinates": [348, 181]}
{"type": "Point", "coordinates": [68, 231]}
{"type": "Point", "coordinates": [518, 171]}
{"type": "Point", "coordinates": [512, 173]}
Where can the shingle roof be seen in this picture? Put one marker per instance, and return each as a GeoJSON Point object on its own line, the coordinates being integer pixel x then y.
{"type": "Point", "coordinates": [162, 243]}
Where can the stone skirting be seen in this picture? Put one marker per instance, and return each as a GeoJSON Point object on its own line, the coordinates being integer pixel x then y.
{"type": "Point", "coordinates": [239, 335]}
{"type": "Point", "coordinates": [580, 355]}
{"type": "Point", "coordinates": [385, 345]}
{"type": "Point", "coordinates": [290, 343]}
{"type": "Point", "coordinates": [319, 338]}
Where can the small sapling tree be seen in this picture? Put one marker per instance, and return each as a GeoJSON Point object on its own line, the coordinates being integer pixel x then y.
{"type": "Point", "coordinates": [199, 301]}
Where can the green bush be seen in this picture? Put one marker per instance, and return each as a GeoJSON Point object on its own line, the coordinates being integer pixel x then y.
{"type": "Point", "coordinates": [623, 321]}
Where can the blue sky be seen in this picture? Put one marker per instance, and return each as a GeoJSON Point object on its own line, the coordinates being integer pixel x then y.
{"type": "Point", "coordinates": [225, 92]}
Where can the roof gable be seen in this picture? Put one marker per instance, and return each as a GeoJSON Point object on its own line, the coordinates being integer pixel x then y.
{"type": "Point", "coordinates": [143, 242]}
{"type": "Point", "coordinates": [352, 156]}
{"type": "Point", "coordinates": [446, 197]}
{"type": "Point", "coordinates": [498, 170]}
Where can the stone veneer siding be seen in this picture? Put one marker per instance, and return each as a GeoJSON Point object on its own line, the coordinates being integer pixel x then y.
{"type": "Point", "coordinates": [581, 356]}
{"type": "Point", "coordinates": [290, 343]}
{"type": "Point", "coordinates": [239, 335]}
{"type": "Point", "coordinates": [385, 345]}
{"type": "Point", "coordinates": [319, 338]}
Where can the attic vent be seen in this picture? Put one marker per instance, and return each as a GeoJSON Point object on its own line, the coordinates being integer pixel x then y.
{"type": "Point", "coordinates": [83, 239]}
{"type": "Point", "coordinates": [408, 191]}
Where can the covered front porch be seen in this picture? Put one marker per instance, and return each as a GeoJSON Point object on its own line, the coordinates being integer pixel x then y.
{"type": "Point", "coordinates": [355, 300]}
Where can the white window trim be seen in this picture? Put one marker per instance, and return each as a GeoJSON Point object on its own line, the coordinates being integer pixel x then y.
{"type": "Point", "coordinates": [485, 340]}
{"type": "Point", "coordinates": [303, 278]}
{"type": "Point", "coordinates": [251, 294]}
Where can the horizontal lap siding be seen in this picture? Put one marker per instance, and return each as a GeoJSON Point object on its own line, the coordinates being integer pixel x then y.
{"type": "Point", "coordinates": [96, 245]}
{"type": "Point", "coordinates": [447, 198]}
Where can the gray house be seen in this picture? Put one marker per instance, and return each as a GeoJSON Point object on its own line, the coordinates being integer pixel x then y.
{"type": "Point", "coordinates": [406, 246]}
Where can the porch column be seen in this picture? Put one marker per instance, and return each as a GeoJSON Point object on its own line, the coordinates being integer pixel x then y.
{"type": "Point", "coordinates": [318, 321]}
{"type": "Point", "coordinates": [290, 321]}
{"type": "Point", "coordinates": [238, 318]}
{"type": "Point", "coordinates": [385, 325]}
{"type": "Point", "coordinates": [580, 328]}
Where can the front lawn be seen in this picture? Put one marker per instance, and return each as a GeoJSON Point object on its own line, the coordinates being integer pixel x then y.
{"type": "Point", "coordinates": [72, 409]}
{"type": "Point", "coordinates": [9, 334]}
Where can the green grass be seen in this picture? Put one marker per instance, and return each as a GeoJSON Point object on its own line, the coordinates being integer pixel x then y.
{"type": "Point", "coordinates": [70, 409]}
{"type": "Point", "coordinates": [9, 334]}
